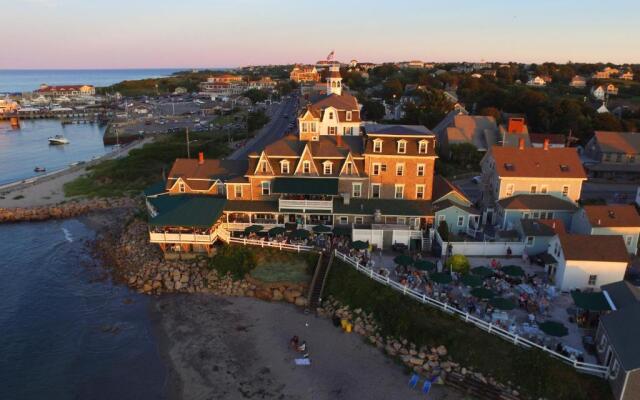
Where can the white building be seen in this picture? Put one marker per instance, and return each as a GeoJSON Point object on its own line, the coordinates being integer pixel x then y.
{"type": "Point", "coordinates": [587, 261]}
{"type": "Point", "coordinates": [537, 81]}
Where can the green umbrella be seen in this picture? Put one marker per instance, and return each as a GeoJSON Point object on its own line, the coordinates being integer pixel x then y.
{"type": "Point", "coordinates": [253, 228]}
{"type": "Point", "coordinates": [359, 245]}
{"type": "Point", "coordinates": [440, 277]}
{"type": "Point", "coordinates": [483, 272]}
{"type": "Point", "coordinates": [424, 265]}
{"type": "Point", "coordinates": [502, 304]}
{"type": "Point", "coordinates": [403, 259]}
{"type": "Point", "coordinates": [512, 270]}
{"type": "Point", "coordinates": [553, 328]}
{"type": "Point", "coordinates": [278, 230]}
{"type": "Point", "coordinates": [472, 280]}
{"type": "Point", "coordinates": [482, 293]}
{"type": "Point", "coordinates": [300, 234]}
{"type": "Point", "coordinates": [321, 229]}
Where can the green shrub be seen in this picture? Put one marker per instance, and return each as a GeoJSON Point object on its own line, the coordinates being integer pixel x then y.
{"type": "Point", "coordinates": [234, 259]}
{"type": "Point", "coordinates": [458, 263]}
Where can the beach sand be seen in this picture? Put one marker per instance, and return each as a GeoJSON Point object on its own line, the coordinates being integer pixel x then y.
{"type": "Point", "coordinates": [237, 348]}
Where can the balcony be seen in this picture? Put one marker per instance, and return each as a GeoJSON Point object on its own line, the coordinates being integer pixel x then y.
{"type": "Point", "coordinates": [305, 205]}
{"type": "Point", "coordinates": [183, 237]}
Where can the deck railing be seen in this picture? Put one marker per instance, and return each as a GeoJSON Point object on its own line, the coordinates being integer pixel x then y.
{"type": "Point", "coordinates": [306, 204]}
{"type": "Point", "coordinates": [162, 237]}
{"type": "Point", "coordinates": [593, 369]}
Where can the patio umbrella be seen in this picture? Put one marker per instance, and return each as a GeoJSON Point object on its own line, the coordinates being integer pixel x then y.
{"type": "Point", "coordinates": [300, 234]}
{"type": "Point", "coordinates": [278, 230]}
{"type": "Point", "coordinates": [321, 229]}
{"type": "Point", "coordinates": [483, 293]}
{"type": "Point", "coordinates": [502, 304]}
{"type": "Point", "coordinates": [483, 272]}
{"type": "Point", "coordinates": [472, 280]}
{"type": "Point", "coordinates": [553, 328]}
{"type": "Point", "coordinates": [441, 277]}
{"type": "Point", "coordinates": [424, 265]}
{"type": "Point", "coordinates": [403, 259]}
{"type": "Point", "coordinates": [253, 229]}
{"type": "Point", "coordinates": [359, 245]}
{"type": "Point", "coordinates": [513, 270]}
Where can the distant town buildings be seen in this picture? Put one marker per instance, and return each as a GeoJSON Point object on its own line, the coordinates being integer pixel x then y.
{"type": "Point", "coordinates": [66, 90]}
{"type": "Point", "coordinates": [306, 74]}
{"type": "Point", "coordinates": [578, 81]}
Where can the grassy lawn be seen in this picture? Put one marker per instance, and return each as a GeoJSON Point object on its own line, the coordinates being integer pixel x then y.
{"type": "Point", "coordinates": [535, 373]}
{"type": "Point", "coordinates": [296, 271]}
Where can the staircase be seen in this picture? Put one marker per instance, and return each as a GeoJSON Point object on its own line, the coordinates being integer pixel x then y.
{"type": "Point", "coordinates": [426, 241]}
{"type": "Point", "coordinates": [319, 279]}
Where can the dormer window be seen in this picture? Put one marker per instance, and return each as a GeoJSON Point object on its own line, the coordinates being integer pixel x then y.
{"type": "Point", "coordinates": [327, 167]}
{"type": "Point", "coordinates": [263, 167]}
{"type": "Point", "coordinates": [306, 167]}
{"type": "Point", "coordinates": [377, 146]}
{"type": "Point", "coordinates": [402, 146]}
{"type": "Point", "coordinates": [348, 116]}
{"type": "Point", "coordinates": [330, 115]}
{"type": "Point", "coordinates": [422, 147]}
{"type": "Point", "coordinates": [564, 167]}
{"type": "Point", "coordinates": [508, 166]}
{"type": "Point", "coordinates": [284, 167]}
{"type": "Point", "coordinates": [348, 168]}
{"type": "Point", "coordinates": [181, 187]}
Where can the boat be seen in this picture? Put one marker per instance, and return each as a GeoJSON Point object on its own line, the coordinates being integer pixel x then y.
{"type": "Point", "coordinates": [39, 169]}
{"type": "Point", "coordinates": [58, 139]}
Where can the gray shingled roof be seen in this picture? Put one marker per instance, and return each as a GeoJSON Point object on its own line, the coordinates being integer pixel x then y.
{"type": "Point", "coordinates": [622, 327]}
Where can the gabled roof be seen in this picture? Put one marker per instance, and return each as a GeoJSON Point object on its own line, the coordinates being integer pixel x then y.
{"type": "Point", "coordinates": [618, 142]}
{"type": "Point", "coordinates": [536, 202]}
{"type": "Point", "coordinates": [442, 187]}
{"type": "Point", "coordinates": [199, 211]}
{"type": "Point", "coordinates": [604, 248]}
{"type": "Point", "coordinates": [533, 162]}
{"type": "Point", "coordinates": [344, 101]}
{"type": "Point", "coordinates": [542, 227]}
{"type": "Point", "coordinates": [201, 176]}
{"type": "Point", "coordinates": [481, 131]}
{"type": "Point", "coordinates": [622, 293]}
{"type": "Point", "coordinates": [622, 328]}
{"type": "Point", "coordinates": [618, 215]}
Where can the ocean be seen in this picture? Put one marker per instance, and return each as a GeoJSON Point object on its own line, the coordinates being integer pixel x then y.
{"type": "Point", "coordinates": [68, 332]}
{"type": "Point", "coordinates": [27, 80]}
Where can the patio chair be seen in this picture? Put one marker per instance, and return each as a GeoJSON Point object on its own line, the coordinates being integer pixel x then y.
{"type": "Point", "coordinates": [413, 382]}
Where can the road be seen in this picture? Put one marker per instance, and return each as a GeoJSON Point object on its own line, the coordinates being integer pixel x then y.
{"type": "Point", "coordinates": [272, 131]}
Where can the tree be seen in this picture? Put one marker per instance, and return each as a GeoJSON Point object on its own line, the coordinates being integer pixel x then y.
{"type": "Point", "coordinates": [465, 155]}
{"type": "Point", "coordinates": [458, 263]}
{"type": "Point", "coordinates": [392, 88]}
{"type": "Point", "coordinates": [491, 112]}
{"type": "Point", "coordinates": [256, 120]}
{"type": "Point", "coordinates": [606, 122]}
{"type": "Point", "coordinates": [256, 95]}
{"type": "Point", "coordinates": [373, 110]}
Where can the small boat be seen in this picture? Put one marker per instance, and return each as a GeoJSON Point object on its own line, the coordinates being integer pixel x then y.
{"type": "Point", "coordinates": [39, 169]}
{"type": "Point", "coordinates": [58, 139]}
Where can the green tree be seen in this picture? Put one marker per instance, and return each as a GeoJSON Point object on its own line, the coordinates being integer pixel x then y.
{"type": "Point", "coordinates": [256, 95]}
{"type": "Point", "coordinates": [256, 120]}
{"type": "Point", "coordinates": [458, 263]}
{"type": "Point", "coordinates": [465, 155]}
{"type": "Point", "coordinates": [606, 122]}
{"type": "Point", "coordinates": [373, 110]}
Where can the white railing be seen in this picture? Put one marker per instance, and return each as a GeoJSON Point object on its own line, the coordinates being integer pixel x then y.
{"type": "Point", "coordinates": [580, 366]}
{"type": "Point", "coordinates": [160, 237]}
{"type": "Point", "coordinates": [240, 226]}
{"type": "Point", "coordinates": [265, 243]}
{"type": "Point", "coordinates": [306, 204]}
{"type": "Point", "coordinates": [484, 248]}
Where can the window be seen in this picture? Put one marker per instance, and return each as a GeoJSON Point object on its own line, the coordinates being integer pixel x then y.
{"type": "Point", "coordinates": [565, 191]}
{"type": "Point", "coordinates": [332, 130]}
{"type": "Point", "coordinates": [606, 157]}
{"type": "Point", "coordinates": [618, 157]}
{"type": "Point", "coordinates": [377, 146]}
{"type": "Point", "coordinates": [376, 169]}
{"type": "Point", "coordinates": [419, 191]}
{"type": "Point", "coordinates": [306, 167]}
{"type": "Point", "coordinates": [543, 189]}
{"type": "Point", "coordinates": [348, 116]}
{"type": "Point", "coordinates": [441, 218]}
{"type": "Point", "coordinates": [402, 146]}
{"type": "Point", "coordinates": [402, 221]}
{"type": "Point", "coordinates": [525, 215]}
{"type": "Point", "coordinates": [181, 187]}
{"type": "Point", "coordinates": [399, 192]}
{"type": "Point", "coordinates": [343, 219]}
{"type": "Point", "coordinates": [263, 166]}
{"type": "Point", "coordinates": [422, 147]}
{"type": "Point", "coordinates": [592, 280]}
{"type": "Point", "coordinates": [631, 158]}
{"type": "Point", "coordinates": [533, 189]}
{"type": "Point", "coordinates": [420, 171]}
{"type": "Point", "coordinates": [330, 115]}
{"type": "Point", "coordinates": [460, 220]}
{"type": "Point", "coordinates": [357, 189]}
{"type": "Point", "coordinates": [399, 169]}
{"type": "Point", "coordinates": [284, 167]}
{"type": "Point", "coordinates": [509, 190]}
{"type": "Point", "coordinates": [305, 127]}
{"type": "Point", "coordinates": [238, 190]}
{"type": "Point", "coordinates": [328, 167]}
{"type": "Point", "coordinates": [529, 240]}
{"type": "Point", "coordinates": [375, 191]}
{"type": "Point", "coordinates": [358, 220]}
{"type": "Point", "coordinates": [549, 215]}
{"type": "Point", "coordinates": [535, 215]}
{"type": "Point", "coordinates": [266, 188]}
{"type": "Point", "coordinates": [349, 168]}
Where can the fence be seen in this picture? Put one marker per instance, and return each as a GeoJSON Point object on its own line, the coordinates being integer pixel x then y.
{"type": "Point", "coordinates": [481, 248]}
{"type": "Point", "coordinates": [580, 366]}
{"type": "Point", "coordinates": [226, 236]}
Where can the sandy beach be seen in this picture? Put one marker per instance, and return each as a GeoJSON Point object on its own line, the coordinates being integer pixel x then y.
{"type": "Point", "coordinates": [237, 348]}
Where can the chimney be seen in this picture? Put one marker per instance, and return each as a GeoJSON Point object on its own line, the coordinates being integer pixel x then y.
{"type": "Point", "coordinates": [521, 144]}
{"type": "Point", "coordinates": [339, 141]}
{"type": "Point", "coordinates": [200, 158]}
{"type": "Point", "coordinates": [545, 144]}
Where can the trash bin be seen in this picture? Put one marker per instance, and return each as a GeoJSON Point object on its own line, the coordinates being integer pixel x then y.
{"type": "Point", "coordinates": [343, 323]}
{"type": "Point", "coordinates": [348, 327]}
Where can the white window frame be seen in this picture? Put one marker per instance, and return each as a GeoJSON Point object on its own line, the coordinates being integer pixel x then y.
{"type": "Point", "coordinates": [628, 239]}
{"type": "Point", "coordinates": [284, 167]}
{"type": "Point", "coordinates": [348, 116]}
{"type": "Point", "coordinates": [529, 241]}
{"type": "Point", "coordinates": [358, 220]}
{"type": "Point", "coordinates": [327, 167]}
{"type": "Point", "coordinates": [565, 191]}
{"type": "Point", "coordinates": [306, 167]}
{"type": "Point", "coordinates": [359, 190]}
{"type": "Point", "coordinates": [265, 185]}
{"type": "Point", "coordinates": [373, 169]}
{"type": "Point", "coordinates": [348, 168]}
{"type": "Point", "coordinates": [420, 169]}
{"type": "Point", "coordinates": [402, 221]}
{"type": "Point", "coordinates": [343, 219]}
{"type": "Point", "coordinates": [395, 191]}
{"type": "Point", "coordinates": [595, 280]}
{"type": "Point", "coordinates": [400, 168]}
{"type": "Point", "coordinates": [460, 221]}
{"type": "Point", "coordinates": [420, 189]}
{"type": "Point", "coordinates": [402, 146]}
{"type": "Point", "coordinates": [264, 168]}
{"type": "Point", "coordinates": [181, 187]}
{"type": "Point", "coordinates": [379, 187]}
{"type": "Point", "coordinates": [509, 191]}
{"type": "Point", "coordinates": [544, 189]}
{"type": "Point", "coordinates": [237, 189]}
{"type": "Point", "coordinates": [377, 145]}
{"type": "Point", "coordinates": [423, 147]}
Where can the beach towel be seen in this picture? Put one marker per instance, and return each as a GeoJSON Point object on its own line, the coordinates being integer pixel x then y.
{"type": "Point", "coordinates": [302, 361]}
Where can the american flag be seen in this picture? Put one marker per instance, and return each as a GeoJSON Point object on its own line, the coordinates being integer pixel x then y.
{"type": "Point", "coordinates": [330, 56]}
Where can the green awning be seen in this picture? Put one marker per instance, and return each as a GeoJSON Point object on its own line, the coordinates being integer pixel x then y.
{"type": "Point", "coordinates": [199, 211]}
{"type": "Point", "coordinates": [327, 186]}
{"type": "Point", "coordinates": [594, 301]}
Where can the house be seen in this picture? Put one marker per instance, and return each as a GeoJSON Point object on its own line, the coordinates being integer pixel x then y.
{"type": "Point", "coordinates": [305, 74]}
{"type": "Point", "coordinates": [526, 182]}
{"type": "Point", "coordinates": [381, 182]}
{"type": "Point", "coordinates": [616, 339]}
{"type": "Point", "coordinates": [600, 92]}
{"type": "Point", "coordinates": [66, 90]}
{"type": "Point", "coordinates": [537, 81]}
{"type": "Point", "coordinates": [602, 109]}
{"type": "Point", "coordinates": [606, 73]}
{"type": "Point", "coordinates": [578, 81]}
{"type": "Point", "coordinates": [587, 261]}
{"type": "Point", "coordinates": [458, 127]}
{"type": "Point", "coordinates": [8, 106]}
{"type": "Point", "coordinates": [264, 83]}
{"type": "Point", "coordinates": [627, 76]}
{"type": "Point", "coordinates": [223, 85]}
{"type": "Point", "coordinates": [515, 131]}
{"type": "Point", "coordinates": [537, 233]}
{"type": "Point", "coordinates": [619, 219]}
{"type": "Point", "coordinates": [555, 140]}
{"type": "Point", "coordinates": [613, 155]}
{"type": "Point", "coordinates": [225, 78]}
{"type": "Point", "coordinates": [335, 113]}
{"type": "Point", "coordinates": [452, 207]}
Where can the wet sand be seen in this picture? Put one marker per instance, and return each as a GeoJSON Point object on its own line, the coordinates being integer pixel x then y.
{"type": "Point", "coordinates": [237, 348]}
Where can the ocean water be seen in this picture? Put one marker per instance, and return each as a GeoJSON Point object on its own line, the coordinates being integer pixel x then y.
{"type": "Point", "coordinates": [27, 80]}
{"type": "Point", "coordinates": [67, 332]}
{"type": "Point", "coordinates": [21, 150]}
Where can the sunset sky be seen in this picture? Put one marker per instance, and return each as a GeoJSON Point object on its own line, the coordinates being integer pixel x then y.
{"type": "Point", "coordinates": [209, 33]}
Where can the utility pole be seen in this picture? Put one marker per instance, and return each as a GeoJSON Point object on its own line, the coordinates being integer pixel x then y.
{"type": "Point", "coordinates": [188, 144]}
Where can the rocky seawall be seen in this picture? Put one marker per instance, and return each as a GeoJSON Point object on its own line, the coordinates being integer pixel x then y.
{"type": "Point", "coordinates": [63, 210]}
{"type": "Point", "coordinates": [431, 362]}
{"type": "Point", "coordinates": [142, 266]}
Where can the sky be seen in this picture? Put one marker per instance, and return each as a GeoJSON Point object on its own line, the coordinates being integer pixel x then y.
{"type": "Point", "coordinates": [48, 34]}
